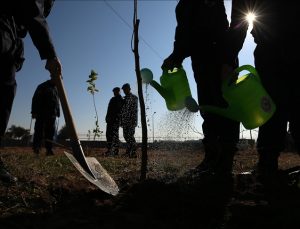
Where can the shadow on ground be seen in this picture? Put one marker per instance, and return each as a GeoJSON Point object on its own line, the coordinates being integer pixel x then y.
{"type": "Point", "coordinates": [185, 203]}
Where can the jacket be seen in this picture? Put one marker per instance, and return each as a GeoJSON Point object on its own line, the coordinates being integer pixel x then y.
{"type": "Point", "coordinates": [199, 23]}
{"type": "Point", "coordinates": [28, 16]}
{"type": "Point", "coordinates": [129, 112]}
{"type": "Point", "coordinates": [45, 101]}
{"type": "Point", "coordinates": [114, 109]}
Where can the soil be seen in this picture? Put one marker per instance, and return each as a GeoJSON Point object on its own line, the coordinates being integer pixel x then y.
{"type": "Point", "coordinates": [188, 201]}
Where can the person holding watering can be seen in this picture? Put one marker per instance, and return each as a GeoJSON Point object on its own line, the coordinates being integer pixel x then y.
{"type": "Point", "coordinates": [200, 34]}
{"type": "Point", "coordinates": [275, 31]}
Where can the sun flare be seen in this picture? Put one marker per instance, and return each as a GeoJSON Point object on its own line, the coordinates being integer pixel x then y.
{"type": "Point", "coordinates": [250, 17]}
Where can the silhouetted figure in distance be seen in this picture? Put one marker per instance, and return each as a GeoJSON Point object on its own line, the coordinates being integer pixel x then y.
{"type": "Point", "coordinates": [112, 119]}
{"type": "Point", "coordinates": [44, 109]}
{"type": "Point", "coordinates": [129, 119]}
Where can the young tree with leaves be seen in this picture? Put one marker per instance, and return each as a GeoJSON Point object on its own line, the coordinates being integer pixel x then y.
{"type": "Point", "coordinates": [92, 90]}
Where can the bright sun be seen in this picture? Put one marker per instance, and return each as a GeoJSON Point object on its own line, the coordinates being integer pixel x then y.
{"type": "Point", "coordinates": [250, 17]}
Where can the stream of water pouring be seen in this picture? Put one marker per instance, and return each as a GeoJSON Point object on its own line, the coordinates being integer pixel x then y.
{"type": "Point", "coordinates": [176, 125]}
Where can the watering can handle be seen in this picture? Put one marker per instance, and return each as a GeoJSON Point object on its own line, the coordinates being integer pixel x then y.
{"type": "Point", "coordinates": [249, 68]}
{"type": "Point", "coordinates": [166, 70]}
{"type": "Point", "coordinates": [226, 84]}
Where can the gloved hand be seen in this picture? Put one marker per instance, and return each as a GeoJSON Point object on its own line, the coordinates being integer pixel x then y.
{"type": "Point", "coordinates": [171, 62]}
{"type": "Point", "coordinates": [228, 74]}
{"type": "Point", "coordinates": [54, 67]}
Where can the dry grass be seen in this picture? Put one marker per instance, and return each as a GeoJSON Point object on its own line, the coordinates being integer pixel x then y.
{"type": "Point", "coordinates": [44, 182]}
{"type": "Point", "coordinates": [53, 185]}
{"type": "Point", "coordinates": [161, 163]}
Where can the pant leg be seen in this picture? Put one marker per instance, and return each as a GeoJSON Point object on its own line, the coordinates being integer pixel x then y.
{"type": "Point", "coordinates": [220, 134]}
{"type": "Point", "coordinates": [115, 138]}
{"type": "Point", "coordinates": [38, 133]}
{"type": "Point", "coordinates": [294, 115]}
{"type": "Point", "coordinates": [295, 129]}
{"type": "Point", "coordinates": [49, 132]}
{"type": "Point", "coordinates": [109, 135]}
{"type": "Point", "coordinates": [128, 133]}
{"type": "Point", "coordinates": [8, 87]}
{"type": "Point", "coordinates": [272, 135]}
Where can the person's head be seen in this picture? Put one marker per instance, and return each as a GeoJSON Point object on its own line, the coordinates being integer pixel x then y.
{"type": "Point", "coordinates": [126, 88]}
{"type": "Point", "coordinates": [116, 91]}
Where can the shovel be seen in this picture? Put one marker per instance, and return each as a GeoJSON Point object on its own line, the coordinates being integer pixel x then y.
{"type": "Point", "coordinates": [89, 167]}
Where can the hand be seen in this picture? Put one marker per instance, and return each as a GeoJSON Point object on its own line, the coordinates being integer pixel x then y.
{"type": "Point", "coordinates": [171, 62]}
{"type": "Point", "coordinates": [54, 67]}
{"type": "Point", "coordinates": [227, 73]}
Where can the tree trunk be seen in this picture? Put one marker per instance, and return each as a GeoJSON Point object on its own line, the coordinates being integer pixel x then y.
{"type": "Point", "coordinates": [141, 97]}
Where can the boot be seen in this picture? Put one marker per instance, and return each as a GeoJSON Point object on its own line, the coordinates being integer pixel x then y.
{"type": "Point", "coordinates": [5, 176]}
{"type": "Point", "coordinates": [211, 157]}
{"type": "Point", "coordinates": [225, 163]}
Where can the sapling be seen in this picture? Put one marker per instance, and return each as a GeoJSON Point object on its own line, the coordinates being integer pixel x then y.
{"type": "Point", "coordinates": [92, 90]}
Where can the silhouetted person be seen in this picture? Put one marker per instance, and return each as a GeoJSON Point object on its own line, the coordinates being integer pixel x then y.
{"type": "Point", "coordinates": [200, 34]}
{"type": "Point", "coordinates": [45, 109]}
{"type": "Point", "coordinates": [129, 118]}
{"type": "Point", "coordinates": [16, 19]}
{"type": "Point", "coordinates": [276, 33]}
{"type": "Point", "coordinates": [112, 119]}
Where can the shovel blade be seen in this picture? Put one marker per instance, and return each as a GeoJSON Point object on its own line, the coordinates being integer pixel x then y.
{"type": "Point", "coordinates": [100, 177]}
{"type": "Point", "coordinates": [80, 157]}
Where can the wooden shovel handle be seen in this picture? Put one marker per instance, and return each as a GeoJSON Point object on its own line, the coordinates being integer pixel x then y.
{"type": "Point", "coordinates": [66, 109]}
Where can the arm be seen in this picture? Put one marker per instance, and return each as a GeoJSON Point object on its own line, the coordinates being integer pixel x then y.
{"type": "Point", "coordinates": [32, 16]}
{"type": "Point", "coordinates": [238, 29]}
{"type": "Point", "coordinates": [235, 36]}
{"type": "Point", "coordinates": [108, 113]}
{"type": "Point", "coordinates": [181, 48]}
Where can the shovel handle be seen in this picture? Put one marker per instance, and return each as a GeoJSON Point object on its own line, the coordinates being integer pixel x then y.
{"type": "Point", "coordinates": [66, 108]}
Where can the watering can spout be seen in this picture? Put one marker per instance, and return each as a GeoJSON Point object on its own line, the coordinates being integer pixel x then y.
{"type": "Point", "coordinates": [173, 87]}
{"type": "Point", "coordinates": [162, 91]}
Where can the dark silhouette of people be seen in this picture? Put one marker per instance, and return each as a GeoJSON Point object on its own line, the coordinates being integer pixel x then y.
{"type": "Point", "coordinates": [129, 119]}
{"type": "Point", "coordinates": [112, 119]}
{"type": "Point", "coordinates": [275, 32]}
{"type": "Point", "coordinates": [200, 34]}
{"type": "Point", "coordinates": [16, 19]}
{"type": "Point", "coordinates": [45, 109]}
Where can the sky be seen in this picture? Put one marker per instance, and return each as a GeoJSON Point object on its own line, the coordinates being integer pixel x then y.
{"type": "Point", "coordinates": [96, 35]}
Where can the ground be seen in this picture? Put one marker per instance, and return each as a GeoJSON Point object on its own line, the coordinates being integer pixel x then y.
{"type": "Point", "coordinates": [51, 193]}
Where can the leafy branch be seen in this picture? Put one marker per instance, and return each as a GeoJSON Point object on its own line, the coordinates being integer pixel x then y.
{"type": "Point", "coordinates": [92, 90]}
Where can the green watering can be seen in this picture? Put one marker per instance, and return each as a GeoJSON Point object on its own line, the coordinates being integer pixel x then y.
{"type": "Point", "coordinates": [174, 87]}
{"type": "Point", "coordinates": [248, 101]}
